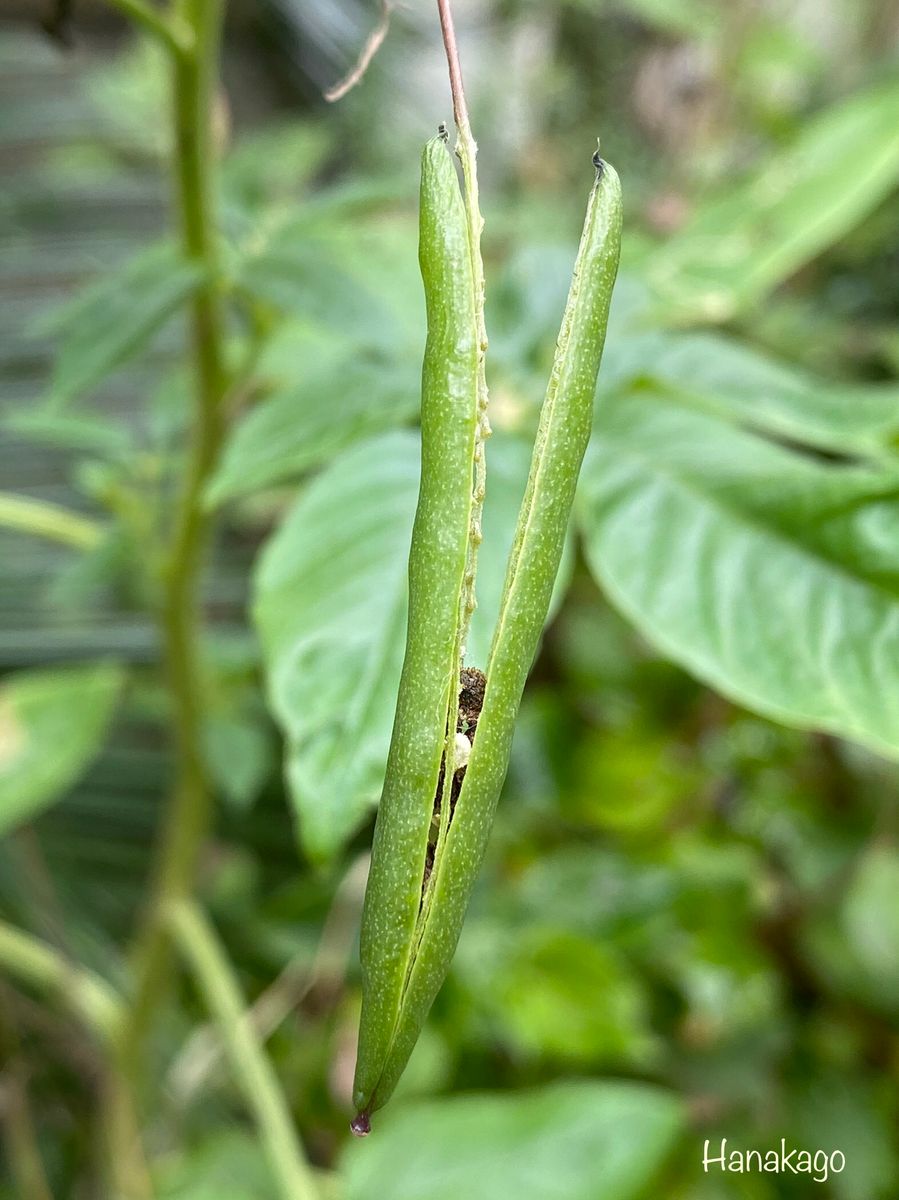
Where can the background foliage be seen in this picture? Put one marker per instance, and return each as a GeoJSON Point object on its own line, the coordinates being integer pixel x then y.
{"type": "Point", "coordinates": [687, 925]}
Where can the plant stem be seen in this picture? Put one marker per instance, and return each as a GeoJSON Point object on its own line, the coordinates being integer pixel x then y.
{"type": "Point", "coordinates": [201, 1054]}
{"type": "Point", "coordinates": [252, 1071]}
{"type": "Point", "coordinates": [189, 808]}
{"type": "Point", "coordinates": [84, 993]}
{"type": "Point", "coordinates": [467, 151]}
{"type": "Point", "coordinates": [195, 73]}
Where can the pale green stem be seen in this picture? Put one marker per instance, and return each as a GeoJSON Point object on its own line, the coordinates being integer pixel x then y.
{"type": "Point", "coordinates": [252, 1070]}
{"type": "Point", "coordinates": [42, 519]}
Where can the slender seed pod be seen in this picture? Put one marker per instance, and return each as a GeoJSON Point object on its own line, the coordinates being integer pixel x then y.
{"type": "Point", "coordinates": [563, 433]}
{"type": "Point", "coordinates": [429, 687]}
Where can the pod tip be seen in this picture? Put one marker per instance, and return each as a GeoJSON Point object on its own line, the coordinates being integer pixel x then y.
{"type": "Point", "coordinates": [597, 158]}
{"type": "Point", "coordinates": [360, 1126]}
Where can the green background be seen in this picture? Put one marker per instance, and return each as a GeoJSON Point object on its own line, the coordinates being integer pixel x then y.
{"type": "Point", "coordinates": [688, 925]}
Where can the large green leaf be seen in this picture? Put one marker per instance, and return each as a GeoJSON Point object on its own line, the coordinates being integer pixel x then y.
{"type": "Point", "coordinates": [330, 606]}
{"type": "Point", "coordinates": [330, 609]}
{"type": "Point", "coordinates": [571, 1141]}
{"type": "Point", "coordinates": [350, 278]}
{"type": "Point", "coordinates": [52, 723]}
{"type": "Point", "coordinates": [772, 576]}
{"type": "Point", "coordinates": [750, 237]}
{"type": "Point", "coordinates": [115, 318]}
{"type": "Point", "coordinates": [330, 403]}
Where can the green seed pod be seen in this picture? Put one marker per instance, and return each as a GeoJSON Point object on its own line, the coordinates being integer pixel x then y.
{"type": "Point", "coordinates": [428, 695]}
{"type": "Point", "coordinates": [563, 433]}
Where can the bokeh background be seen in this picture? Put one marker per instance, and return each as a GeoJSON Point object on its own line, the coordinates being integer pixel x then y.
{"type": "Point", "coordinates": [688, 924]}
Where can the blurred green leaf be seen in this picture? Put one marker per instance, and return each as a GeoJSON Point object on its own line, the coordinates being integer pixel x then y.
{"type": "Point", "coordinates": [589, 890]}
{"type": "Point", "coordinates": [685, 18]}
{"type": "Point", "coordinates": [116, 317]}
{"type": "Point", "coordinates": [227, 1166]}
{"type": "Point", "coordinates": [842, 1111]}
{"type": "Point", "coordinates": [69, 431]}
{"type": "Point", "coordinates": [241, 754]}
{"type": "Point", "coordinates": [275, 163]}
{"type": "Point", "coordinates": [557, 995]}
{"type": "Point", "coordinates": [754, 234]}
{"type": "Point", "coordinates": [711, 372]}
{"type": "Point", "coordinates": [721, 376]}
{"type": "Point", "coordinates": [573, 1141]}
{"type": "Point", "coordinates": [330, 610]}
{"type": "Point", "coordinates": [871, 917]}
{"type": "Point", "coordinates": [131, 91]}
{"type": "Point", "coordinates": [632, 781]}
{"type": "Point", "coordinates": [332, 403]}
{"type": "Point", "coordinates": [330, 607]}
{"type": "Point", "coordinates": [771, 576]}
{"type": "Point", "coordinates": [303, 275]}
{"type": "Point", "coordinates": [52, 723]}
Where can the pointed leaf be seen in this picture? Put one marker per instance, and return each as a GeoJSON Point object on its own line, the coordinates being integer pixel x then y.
{"type": "Point", "coordinates": [114, 319]}
{"type": "Point", "coordinates": [753, 235]}
{"type": "Point", "coordinates": [718, 375]}
{"type": "Point", "coordinates": [330, 405]}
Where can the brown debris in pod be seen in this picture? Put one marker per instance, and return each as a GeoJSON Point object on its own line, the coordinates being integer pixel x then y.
{"type": "Point", "coordinates": [472, 686]}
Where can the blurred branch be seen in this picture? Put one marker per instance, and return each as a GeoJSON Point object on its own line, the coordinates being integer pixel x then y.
{"type": "Point", "coordinates": [252, 1071]}
{"type": "Point", "coordinates": [369, 50]}
{"type": "Point", "coordinates": [42, 519]}
{"type": "Point", "coordinates": [86, 994]}
{"type": "Point", "coordinates": [202, 1053]}
{"type": "Point", "coordinates": [23, 1151]}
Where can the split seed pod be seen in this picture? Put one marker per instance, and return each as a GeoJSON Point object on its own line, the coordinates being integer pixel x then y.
{"type": "Point", "coordinates": [428, 695]}
{"type": "Point", "coordinates": [411, 927]}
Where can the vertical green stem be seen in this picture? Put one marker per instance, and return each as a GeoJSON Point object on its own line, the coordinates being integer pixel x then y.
{"type": "Point", "coordinates": [252, 1071]}
{"type": "Point", "coordinates": [187, 817]}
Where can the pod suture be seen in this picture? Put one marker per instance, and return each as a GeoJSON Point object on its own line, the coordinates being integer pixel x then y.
{"type": "Point", "coordinates": [434, 823]}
